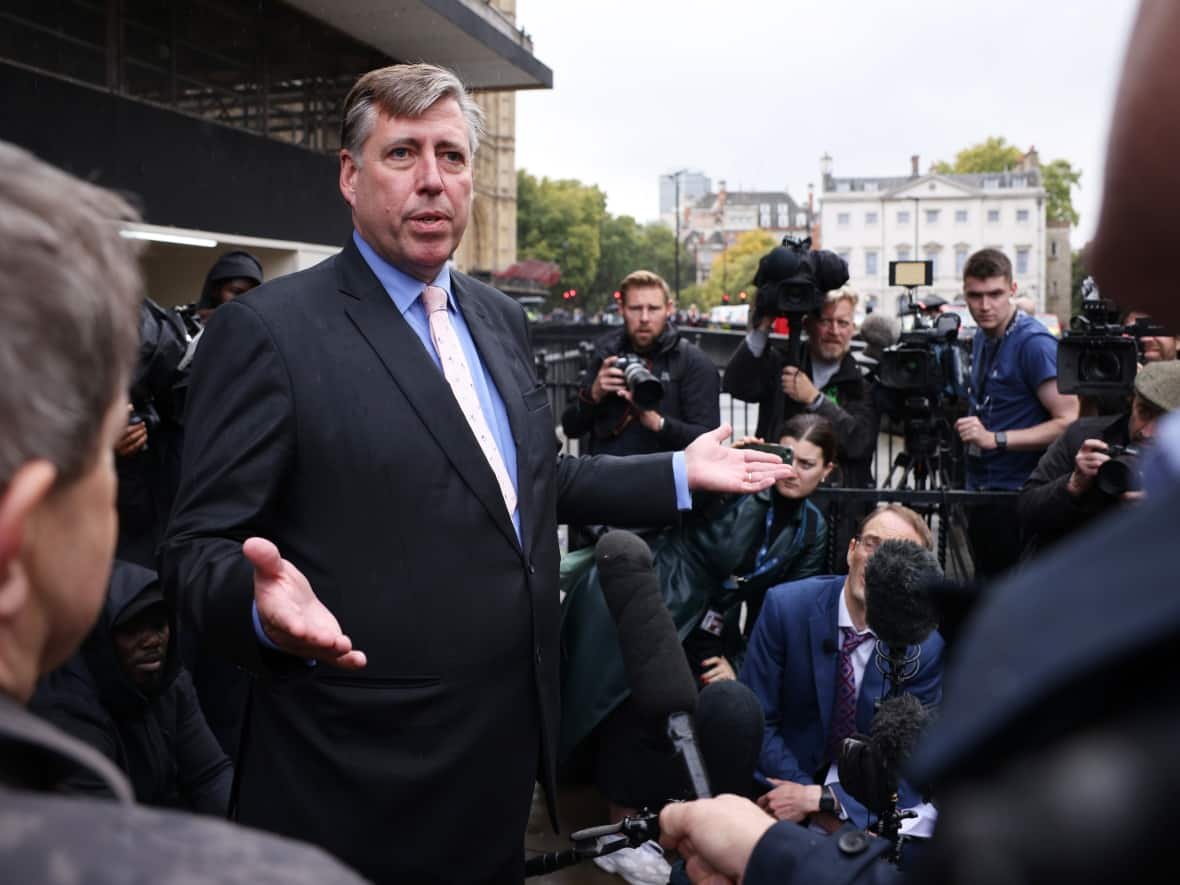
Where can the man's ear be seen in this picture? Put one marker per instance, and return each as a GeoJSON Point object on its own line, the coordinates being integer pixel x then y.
{"type": "Point", "coordinates": [348, 170]}
{"type": "Point", "coordinates": [26, 491]}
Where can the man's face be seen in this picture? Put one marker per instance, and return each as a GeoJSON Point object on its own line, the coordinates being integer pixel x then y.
{"type": "Point", "coordinates": [141, 645]}
{"type": "Point", "coordinates": [645, 314]}
{"type": "Point", "coordinates": [990, 302]}
{"type": "Point", "coordinates": [1141, 425]}
{"type": "Point", "coordinates": [228, 290]}
{"type": "Point", "coordinates": [1154, 348]}
{"type": "Point", "coordinates": [71, 540]}
{"type": "Point", "coordinates": [830, 333]}
{"type": "Point", "coordinates": [411, 192]}
{"type": "Point", "coordinates": [883, 527]}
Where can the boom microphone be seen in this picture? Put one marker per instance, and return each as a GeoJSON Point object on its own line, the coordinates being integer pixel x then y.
{"type": "Point", "coordinates": [730, 726]}
{"type": "Point", "coordinates": [897, 605]}
{"type": "Point", "coordinates": [879, 331]}
{"type": "Point", "coordinates": [661, 681]}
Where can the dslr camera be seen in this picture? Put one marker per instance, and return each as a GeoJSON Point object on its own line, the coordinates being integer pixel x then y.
{"type": "Point", "coordinates": [1122, 473]}
{"type": "Point", "coordinates": [1099, 355]}
{"type": "Point", "coordinates": [646, 389]}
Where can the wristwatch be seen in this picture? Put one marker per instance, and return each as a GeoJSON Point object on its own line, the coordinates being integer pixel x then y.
{"type": "Point", "coordinates": [827, 799]}
{"type": "Point", "coordinates": [1001, 440]}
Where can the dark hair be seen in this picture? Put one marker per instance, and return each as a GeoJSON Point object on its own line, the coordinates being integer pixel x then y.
{"type": "Point", "coordinates": [815, 429]}
{"type": "Point", "coordinates": [987, 263]}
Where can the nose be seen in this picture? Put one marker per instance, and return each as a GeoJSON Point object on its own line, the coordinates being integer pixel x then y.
{"type": "Point", "coordinates": [429, 177]}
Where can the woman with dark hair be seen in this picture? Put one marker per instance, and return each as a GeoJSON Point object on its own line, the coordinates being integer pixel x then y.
{"type": "Point", "coordinates": [731, 550]}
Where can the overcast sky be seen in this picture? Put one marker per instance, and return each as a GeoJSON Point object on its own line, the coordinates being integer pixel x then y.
{"type": "Point", "coordinates": [754, 91]}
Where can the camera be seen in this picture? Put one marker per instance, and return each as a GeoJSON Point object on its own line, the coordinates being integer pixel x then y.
{"type": "Point", "coordinates": [1099, 355]}
{"type": "Point", "coordinates": [785, 453]}
{"type": "Point", "coordinates": [1121, 473]}
{"type": "Point", "coordinates": [926, 359]}
{"type": "Point", "coordinates": [793, 280]}
{"type": "Point", "coordinates": [646, 389]}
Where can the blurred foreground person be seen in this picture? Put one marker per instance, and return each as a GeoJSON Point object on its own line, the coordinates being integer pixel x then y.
{"type": "Point", "coordinates": [66, 357]}
{"type": "Point", "coordinates": [1060, 765]}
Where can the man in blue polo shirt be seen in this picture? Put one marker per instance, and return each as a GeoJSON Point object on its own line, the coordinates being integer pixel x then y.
{"type": "Point", "coordinates": [1016, 411]}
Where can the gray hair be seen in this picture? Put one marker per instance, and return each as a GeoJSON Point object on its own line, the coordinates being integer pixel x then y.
{"type": "Point", "coordinates": [844, 293]}
{"type": "Point", "coordinates": [403, 91]}
{"type": "Point", "coordinates": [70, 291]}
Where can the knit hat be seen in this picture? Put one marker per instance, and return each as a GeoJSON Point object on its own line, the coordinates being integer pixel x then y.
{"type": "Point", "coordinates": [1159, 384]}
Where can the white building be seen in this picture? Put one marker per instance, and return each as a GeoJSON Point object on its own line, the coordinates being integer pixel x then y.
{"type": "Point", "coordinates": [939, 218]}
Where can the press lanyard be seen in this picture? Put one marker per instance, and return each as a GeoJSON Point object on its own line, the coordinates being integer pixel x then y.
{"type": "Point", "coordinates": [761, 563]}
{"type": "Point", "coordinates": [986, 373]}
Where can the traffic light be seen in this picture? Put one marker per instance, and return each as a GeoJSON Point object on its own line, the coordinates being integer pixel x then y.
{"type": "Point", "coordinates": [742, 296]}
{"type": "Point", "coordinates": [725, 297]}
{"type": "Point", "coordinates": [618, 296]}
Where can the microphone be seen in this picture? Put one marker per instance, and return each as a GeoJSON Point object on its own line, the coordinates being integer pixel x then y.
{"type": "Point", "coordinates": [879, 331]}
{"type": "Point", "coordinates": [730, 726]}
{"type": "Point", "coordinates": [898, 606]}
{"type": "Point", "coordinates": [870, 769]}
{"type": "Point", "coordinates": [662, 686]}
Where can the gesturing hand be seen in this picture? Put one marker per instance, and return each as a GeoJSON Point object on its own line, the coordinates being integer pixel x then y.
{"type": "Point", "coordinates": [712, 467]}
{"type": "Point", "coordinates": [714, 836]}
{"type": "Point", "coordinates": [291, 614]}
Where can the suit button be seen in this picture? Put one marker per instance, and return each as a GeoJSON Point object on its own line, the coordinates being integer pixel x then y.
{"type": "Point", "coordinates": [532, 569]}
{"type": "Point", "coordinates": [853, 842]}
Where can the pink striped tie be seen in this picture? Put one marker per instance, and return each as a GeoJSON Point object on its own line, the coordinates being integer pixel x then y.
{"type": "Point", "coordinates": [458, 375]}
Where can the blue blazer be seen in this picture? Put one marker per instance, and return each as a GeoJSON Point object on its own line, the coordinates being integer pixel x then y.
{"type": "Point", "coordinates": [795, 679]}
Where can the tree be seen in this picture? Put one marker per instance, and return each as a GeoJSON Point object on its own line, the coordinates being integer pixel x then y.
{"type": "Point", "coordinates": [1079, 270]}
{"type": "Point", "coordinates": [561, 221]}
{"type": "Point", "coordinates": [1060, 178]}
{"type": "Point", "coordinates": [733, 270]}
{"type": "Point", "coordinates": [992, 155]}
{"type": "Point", "coordinates": [996, 155]}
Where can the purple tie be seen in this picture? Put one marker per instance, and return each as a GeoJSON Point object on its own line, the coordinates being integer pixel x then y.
{"type": "Point", "coordinates": [458, 375]}
{"type": "Point", "coordinates": [844, 709]}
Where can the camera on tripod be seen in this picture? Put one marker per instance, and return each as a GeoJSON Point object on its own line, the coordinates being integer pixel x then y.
{"type": "Point", "coordinates": [1099, 355]}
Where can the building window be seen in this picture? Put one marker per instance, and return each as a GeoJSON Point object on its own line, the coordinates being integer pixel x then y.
{"type": "Point", "coordinates": [932, 257]}
{"type": "Point", "coordinates": [842, 218]}
{"type": "Point", "coordinates": [1022, 216]}
{"type": "Point", "coordinates": [993, 216]}
{"type": "Point", "coordinates": [1053, 248]}
{"type": "Point", "coordinates": [870, 264]}
{"type": "Point", "coordinates": [870, 185]}
{"type": "Point", "coordinates": [991, 184]}
{"type": "Point", "coordinates": [932, 216]}
{"type": "Point", "coordinates": [1022, 260]}
{"type": "Point", "coordinates": [843, 187]}
{"type": "Point", "coordinates": [800, 219]}
{"type": "Point", "coordinates": [903, 217]}
{"type": "Point", "coordinates": [870, 218]}
{"type": "Point", "coordinates": [960, 216]}
{"type": "Point", "coordinates": [960, 260]}
{"type": "Point", "coordinates": [903, 253]}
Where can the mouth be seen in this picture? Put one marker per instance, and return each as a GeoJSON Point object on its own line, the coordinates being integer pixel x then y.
{"type": "Point", "coordinates": [429, 222]}
{"type": "Point", "coordinates": [149, 665]}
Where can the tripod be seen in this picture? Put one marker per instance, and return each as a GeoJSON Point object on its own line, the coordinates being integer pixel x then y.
{"type": "Point", "coordinates": [928, 456]}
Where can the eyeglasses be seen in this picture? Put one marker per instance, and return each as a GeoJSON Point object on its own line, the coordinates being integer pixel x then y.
{"type": "Point", "coordinates": [842, 325]}
{"type": "Point", "coordinates": [869, 542]}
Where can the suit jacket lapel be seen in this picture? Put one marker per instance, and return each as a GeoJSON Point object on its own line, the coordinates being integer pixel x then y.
{"type": "Point", "coordinates": [871, 686]}
{"type": "Point", "coordinates": [823, 627]}
{"type": "Point", "coordinates": [397, 346]}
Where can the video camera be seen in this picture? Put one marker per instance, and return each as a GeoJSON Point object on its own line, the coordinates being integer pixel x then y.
{"type": "Point", "coordinates": [926, 359]}
{"type": "Point", "coordinates": [1099, 355]}
{"type": "Point", "coordinates": [792, 281]}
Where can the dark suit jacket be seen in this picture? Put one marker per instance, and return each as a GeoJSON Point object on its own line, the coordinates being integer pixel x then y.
{"type": "Point", "coordinates": [795, 679]}
{"type": "Point", "coordinates": [319, 421]}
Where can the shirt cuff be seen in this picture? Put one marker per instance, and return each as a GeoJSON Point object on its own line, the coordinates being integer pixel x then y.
{"type": "Point", "coordinates": [680, 478]}
{"type": "Point", "coordinates": [756, 340]}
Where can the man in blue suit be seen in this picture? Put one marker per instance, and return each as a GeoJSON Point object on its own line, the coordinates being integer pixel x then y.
{"type": "Point", "coordinates": [796, 666]}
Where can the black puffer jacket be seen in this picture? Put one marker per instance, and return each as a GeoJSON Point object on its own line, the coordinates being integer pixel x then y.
{"type": "Point", "coordinates": [691, 404]}
{"type": "Point", "coordinates": [160, 741]}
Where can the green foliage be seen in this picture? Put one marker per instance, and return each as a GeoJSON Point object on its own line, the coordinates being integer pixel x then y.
{"type": "Point", "coordinates": [1079, 270]}
{"type": "Point", "coordinates": [566, 221]}
{"type": "Point", "coordinates": [1060, 178]}
{"type": "Point", "coordinates": [733, 270]}
{"type": "Point", "coordinates": [996, 155]}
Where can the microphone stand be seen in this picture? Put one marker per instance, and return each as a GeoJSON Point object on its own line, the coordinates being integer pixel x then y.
{"type": "Point", "coordinates": [898, 666]}
{"type": "Point", "coordinates": [630, 832]}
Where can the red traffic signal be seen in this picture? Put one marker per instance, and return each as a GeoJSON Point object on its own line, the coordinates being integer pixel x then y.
{"type": "Point", "coordinates": [618, 296]}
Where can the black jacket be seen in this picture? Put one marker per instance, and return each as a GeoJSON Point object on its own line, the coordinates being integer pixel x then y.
{"type": "Point", "coordinates": [848, 404]}
{"type": "Point", "coordinates": [691, 404]}
{"type": "Point", "coordinates": [161, 742]}
{"type": "Point", "coordinates": [1047, 510]}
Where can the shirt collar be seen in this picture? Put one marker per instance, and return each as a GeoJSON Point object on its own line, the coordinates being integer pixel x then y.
{"type": "Point", "coordinates": [401, 287]}
{"type": "Point", "coordinates": [844, 619]}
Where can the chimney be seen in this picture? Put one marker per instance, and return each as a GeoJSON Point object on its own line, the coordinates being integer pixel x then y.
{"type": "Point", "coordinates": [914, 173]}
{"type": "Point", "coordinates": [810, 199]}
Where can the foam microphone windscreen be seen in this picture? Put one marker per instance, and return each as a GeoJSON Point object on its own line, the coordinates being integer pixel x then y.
{"type": "Point", "coordinates": [897, 604]}
{"type": "Point", "coordinates": [661, 682]}
{"type": "Point", "coordinates": [880, 331]}
{"type": "Point", "coordinates": [730, 726]}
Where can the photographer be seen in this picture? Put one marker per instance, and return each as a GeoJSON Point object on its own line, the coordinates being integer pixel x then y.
{"type": "Point", "coordinates": [234, 273]}
{"type": "Point", "coordinates": [1067, 490]}
{"type": "Point", "coordinates": [828, 383]}
{"type": "Point", "coordinates": [606, 407]}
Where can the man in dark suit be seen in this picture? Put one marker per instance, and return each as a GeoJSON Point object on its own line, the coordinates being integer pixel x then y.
{"type": "Point", "coordinates": [806, 632]}
{"type": "Point", "coordinates": [403, 463]}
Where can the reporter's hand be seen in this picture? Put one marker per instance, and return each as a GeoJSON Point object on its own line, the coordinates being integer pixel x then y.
{"type": "Point", "coordinates": [789, 800]}
{"type": "Point", "coordinates": [713, 467]}
{"type": "Point", "coordinates": [972, 432]}
{"type": "Point", "coordinates": [797, 385]}
{"type": "Point", "coordinates": [718, 669]}
{"type": "Point", "coordinates": [714, 836]}
{"type": "Point", "coordinates": [608, 380]}
{"type": "Point", "coordinates": [292, 615]}
{"type": "Point", "coordinates": [1091, 456]}
{"type": "Point", "coordinates": [133, 438]}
